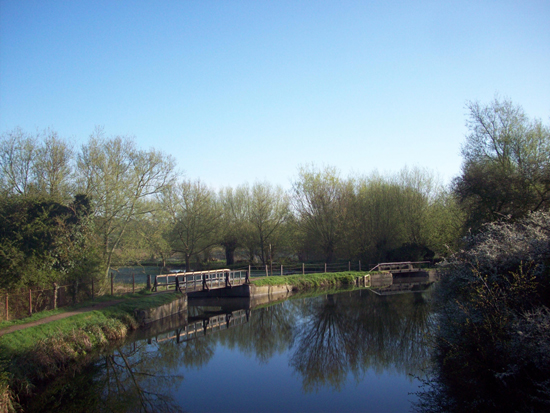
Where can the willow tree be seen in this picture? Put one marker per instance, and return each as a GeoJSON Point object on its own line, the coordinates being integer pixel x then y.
{"type": "Point", "coordinates": [152, 231]}
{"type": "Point", "coordinates": [374, 225]}
{"type": "Point", "coordinates": [234, 204]}
{"type": "Point", "coordinates": [119, 178]}
{"type": "Point", "coordinates": [195, 218]}
{"type": "Point", "coordinates": [268, 211]}
{"type": "Point", "coordinates": [318, 201]}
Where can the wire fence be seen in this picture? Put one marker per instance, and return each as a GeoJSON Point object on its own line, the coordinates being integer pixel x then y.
{"type": "Point", "coordinates": [275, 268]}
{"type": "Point", "coordinates": [23, 303]}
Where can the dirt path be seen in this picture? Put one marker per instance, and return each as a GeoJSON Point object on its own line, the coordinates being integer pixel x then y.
{"type": "Point", "coordinates": [45, 320]}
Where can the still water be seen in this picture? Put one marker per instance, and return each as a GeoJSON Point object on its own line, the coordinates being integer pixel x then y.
{"type": "Point", "coordinates": [345, 351]}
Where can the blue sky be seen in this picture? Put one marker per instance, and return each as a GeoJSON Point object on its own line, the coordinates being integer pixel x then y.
{"type": "Point", "coordinates": [239, 91]}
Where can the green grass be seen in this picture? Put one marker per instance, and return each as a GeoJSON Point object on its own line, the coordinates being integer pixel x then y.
{"type": "Point", "coordinates": [304, 281]}
{"type": "Point", "coordinates": [88, 303]}
{"type": "Point", "coordinates": [23, 340]}
{"type": "Point", "coordinates": [40, 352]}
{"type": "Point", "coordinates": [43, 314]}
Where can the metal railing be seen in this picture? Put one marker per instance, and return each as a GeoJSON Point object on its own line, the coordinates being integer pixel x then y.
{"type": "Point", "coordinates": [199, 328]}
{"type": "Point", "coordinates": [200, 280]}
{"type": "Point", "coordinates": [405, 266]}
{"type": "Point", "coordinates": [272, 269]}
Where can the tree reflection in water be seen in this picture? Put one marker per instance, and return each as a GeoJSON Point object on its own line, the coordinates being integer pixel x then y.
{"type": "Point", "coordinates": [138, 377]}
{"type": "Point", "coordinates": [134, 381]}
{"type": "Point", "coordinates": [325, 344]}
{"type": "Point", "coordinates": [327, 338]}
{"type": "Point", "coordinates": [268, 332]}
{"type": "Point", "coordinates": [352, 333]}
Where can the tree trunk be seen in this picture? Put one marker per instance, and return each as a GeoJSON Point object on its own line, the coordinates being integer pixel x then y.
{"type": "Point", "coordinates": [230, 246]}
{"type": "Point", "coordinates": [229, 255]}
{"type": "Point", "coordinates": [329, 252]}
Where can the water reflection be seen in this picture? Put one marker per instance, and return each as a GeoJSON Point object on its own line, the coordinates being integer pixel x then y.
{"type": "Point", "coordinates": [133, 378]}
{"type": "Point", "coordinates": [353, 333]}
{"type": "Point", "coordinates": [327, 338]}
{"type": "Point", "coordinates": [269, 332]}
{"type": "Point", "coordinates": [326, 343]}
{"type": "Point", "coordinates": [128, 384]}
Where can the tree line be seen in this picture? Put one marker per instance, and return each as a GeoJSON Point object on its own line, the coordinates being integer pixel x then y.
{"type": "Point", "coordinates": [68, 213]}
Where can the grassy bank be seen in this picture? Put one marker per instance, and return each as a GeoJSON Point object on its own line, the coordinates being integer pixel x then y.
{"type": "Point", "coordinates": [37, 353]}
{"type": "Point", "coordinates": [306, 281]}
{"type": "Point", "coordinates": [48, 313]}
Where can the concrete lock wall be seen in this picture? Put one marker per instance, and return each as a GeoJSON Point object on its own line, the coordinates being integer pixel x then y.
{"type": "Point", "coordinates": [243, 291]}
{"type": "Point", "coordinates": [166, 310]}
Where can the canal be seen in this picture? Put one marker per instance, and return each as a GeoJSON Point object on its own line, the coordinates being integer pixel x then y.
{"type": "Point", "coordinates": [345, 351]}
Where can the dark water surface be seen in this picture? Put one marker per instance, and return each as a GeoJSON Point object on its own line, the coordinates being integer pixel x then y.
{"type": "Point", "coordinates": [343, 352]}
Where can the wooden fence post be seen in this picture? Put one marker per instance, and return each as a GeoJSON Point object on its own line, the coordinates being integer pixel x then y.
{"type": "Point", "coordinates": [55, 296]}
{"type": "Point", "coordinates": [30, 302]}
{"type": "Point", "coordinates": [303, 268]}
{"type": "Point", "coordinates": [112, 283]}
{"type": "Point", "coordinates": [281, 270]}
{"type": "Point", "coordinates": [325, 267]}
{"type": "Point", "coordinates": [349, 265]}
{"type": "Point", "coordinates": [266, 271]}
{"type": "Point", "coordinates": [75, 291]}
{"type": "Point", "coordinates": [359, 265]}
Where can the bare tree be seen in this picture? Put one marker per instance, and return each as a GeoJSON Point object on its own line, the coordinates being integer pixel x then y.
{"type": "Point", "coordinates": [119, 178]}
{"type": "Point", "coordinates": [40, 164]}
{"type": "Point", "coordinates": [18, 153]}
{"type": "Point", "coordinates": [54, 167]}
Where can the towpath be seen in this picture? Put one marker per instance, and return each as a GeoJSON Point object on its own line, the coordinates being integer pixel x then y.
{"type": "Point", "coordinates": [59, 316]}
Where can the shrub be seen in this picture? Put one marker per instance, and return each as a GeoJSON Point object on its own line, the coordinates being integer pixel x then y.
{"type": "Point", "coordinates": [492, 346]}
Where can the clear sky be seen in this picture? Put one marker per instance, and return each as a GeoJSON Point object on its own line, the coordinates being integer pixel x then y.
{"type": "Point", "coordinates": [239, 91]}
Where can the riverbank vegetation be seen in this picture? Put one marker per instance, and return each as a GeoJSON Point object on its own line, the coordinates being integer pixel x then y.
{"type": "Point", "coordinates": [493, 339]}
{"type": "Point", "coordinates": [39, 353]}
